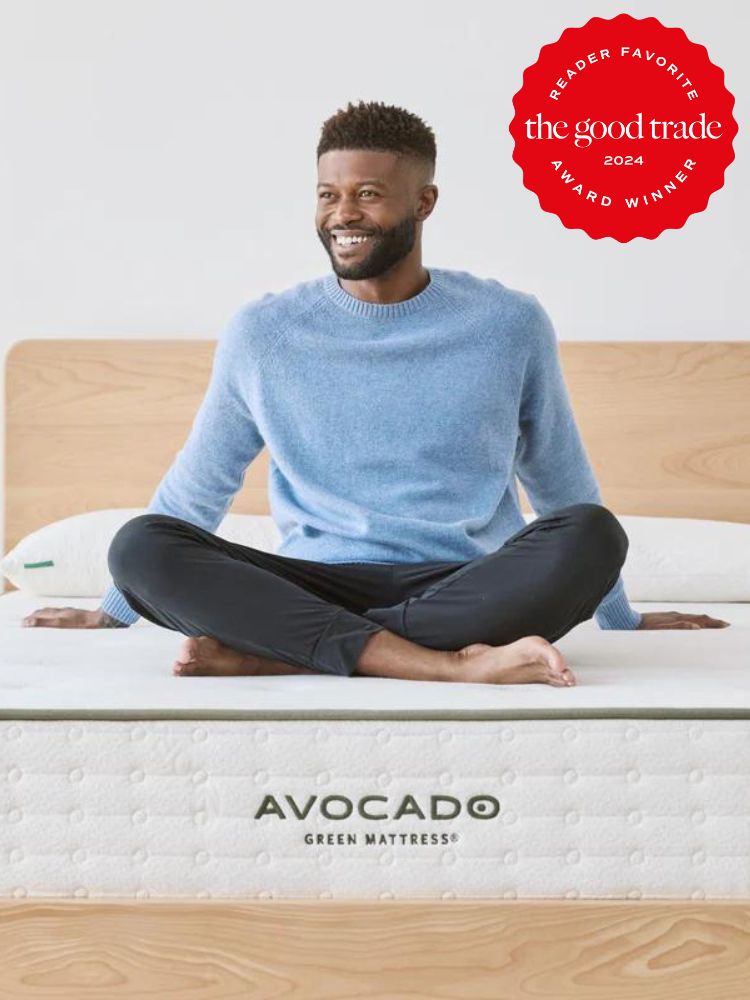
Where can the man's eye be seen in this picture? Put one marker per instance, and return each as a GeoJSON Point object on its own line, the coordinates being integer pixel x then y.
{"type": "Point", "coordinates": [323, 194]}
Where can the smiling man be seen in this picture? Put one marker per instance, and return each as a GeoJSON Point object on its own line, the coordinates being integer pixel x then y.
{"type": "Point", "coordinates": [398, 403]}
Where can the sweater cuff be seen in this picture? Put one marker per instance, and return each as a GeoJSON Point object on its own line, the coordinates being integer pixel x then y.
{"type": "Point", "coordinates": [615, 611]}
{"type": "Point", "coordinates": [115, 605]}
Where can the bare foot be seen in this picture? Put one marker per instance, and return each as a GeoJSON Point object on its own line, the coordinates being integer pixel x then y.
{"type": "Point", "coordinates": [525, 661]}
{"type": "Point", "coordinates": [204, 656]}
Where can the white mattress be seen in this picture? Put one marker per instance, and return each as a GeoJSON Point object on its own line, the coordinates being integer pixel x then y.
{"type": "Point", "coordinates": [118, 779]}
{"type": "Point", "coordinates": [127, 673]}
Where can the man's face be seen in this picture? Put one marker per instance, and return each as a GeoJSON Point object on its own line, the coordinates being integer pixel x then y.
{"type": "Point", "coordinates": [366, 193]}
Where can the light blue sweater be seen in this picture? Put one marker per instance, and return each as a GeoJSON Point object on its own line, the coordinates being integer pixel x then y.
{"type": "Point", "coordinates": [393, 430]}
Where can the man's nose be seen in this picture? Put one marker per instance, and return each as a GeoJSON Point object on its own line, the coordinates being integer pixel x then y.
{"type": "Point", "coordinates": [346, 211]}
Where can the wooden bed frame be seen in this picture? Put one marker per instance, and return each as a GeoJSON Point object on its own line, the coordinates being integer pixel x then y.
{"type": "Point", "coordinates": [96, 423]}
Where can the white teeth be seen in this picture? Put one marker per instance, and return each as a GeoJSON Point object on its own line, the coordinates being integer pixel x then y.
{"type": "Point", "coordinates": [347, 240]}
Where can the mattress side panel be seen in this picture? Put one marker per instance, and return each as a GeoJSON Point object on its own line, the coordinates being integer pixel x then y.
{"type": "Point", "coordinates": [373, 809]}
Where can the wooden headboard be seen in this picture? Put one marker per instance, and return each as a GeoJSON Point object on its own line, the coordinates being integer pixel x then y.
{"type": "Point", "coordinates": [96, 423]}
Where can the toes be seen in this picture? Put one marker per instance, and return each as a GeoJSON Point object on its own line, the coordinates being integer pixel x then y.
{"type": "Point", "coordinates": [561, 678]}
{"type": "Point", "coordinates": [188, 652]}
{"type": "Point", "coordinates": [556, 662]}
{"type": "Point", "coordinates": [184, 669]}
{"type": "Point", "coordinates": [188, 671]}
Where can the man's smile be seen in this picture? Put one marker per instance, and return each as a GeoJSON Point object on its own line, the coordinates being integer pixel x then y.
{"type": "Point", "coordinates": [347, 242]}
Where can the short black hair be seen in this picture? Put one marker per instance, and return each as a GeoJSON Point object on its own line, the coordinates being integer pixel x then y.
{"type": "Point", "coordinates": [382, 127]}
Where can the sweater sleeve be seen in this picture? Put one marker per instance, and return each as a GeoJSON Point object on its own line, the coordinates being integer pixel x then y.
{"type": "Point", "coordinates": [551, 460]}
{"type": "Point", "coordinates": [210, 468]}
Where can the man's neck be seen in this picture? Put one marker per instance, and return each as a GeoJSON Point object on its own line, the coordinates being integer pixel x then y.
{"type": "Point", "coordinates": [388, 288]}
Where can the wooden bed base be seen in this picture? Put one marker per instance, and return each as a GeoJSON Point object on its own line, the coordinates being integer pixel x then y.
{"type": "Point", "coordinates": [484, 950]}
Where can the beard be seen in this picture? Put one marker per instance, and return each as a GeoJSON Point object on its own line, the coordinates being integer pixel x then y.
{"type": "Point", "coordinates": [381, 252]}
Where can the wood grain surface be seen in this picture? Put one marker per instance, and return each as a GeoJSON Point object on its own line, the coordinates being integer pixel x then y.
{"type": "Point", "coordinates": [330, 950]}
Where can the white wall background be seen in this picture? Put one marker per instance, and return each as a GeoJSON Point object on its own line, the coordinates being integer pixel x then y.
{"type": "Point", "coordinates": [157, 162]}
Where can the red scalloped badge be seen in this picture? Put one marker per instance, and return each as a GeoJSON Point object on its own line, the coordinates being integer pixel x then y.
{"type": "Point", "coordinates": [623, 128]}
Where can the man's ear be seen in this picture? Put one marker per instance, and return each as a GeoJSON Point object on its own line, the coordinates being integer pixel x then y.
{"type": "Point", "coordinates": [428, 197]}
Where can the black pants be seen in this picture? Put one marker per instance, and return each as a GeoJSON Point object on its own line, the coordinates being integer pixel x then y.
{"type": "Point", "coordinates": [544, 580]}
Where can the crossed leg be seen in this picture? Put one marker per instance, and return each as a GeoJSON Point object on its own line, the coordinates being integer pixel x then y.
{"type": "Point", "coordinates": [501, 612]}
{"type": "Point", "coordinates": [491, 620]}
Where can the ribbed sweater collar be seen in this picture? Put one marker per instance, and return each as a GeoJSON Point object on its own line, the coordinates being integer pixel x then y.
{"type": "Point", "coordinates": [430, 295]}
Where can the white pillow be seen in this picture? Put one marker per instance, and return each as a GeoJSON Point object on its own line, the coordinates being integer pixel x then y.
{"type": "Point", "coordinates": [684, 559]}
{"type": "Point", "coordinates": [669, 558]}
{"type": "Point", "coordinates": [68, 558]}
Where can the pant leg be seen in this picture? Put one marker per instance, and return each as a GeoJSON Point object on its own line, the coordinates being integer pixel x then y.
{"type": "Point", "coordinates": [544, 580]}
{"type": "Point", "coordinates": [179, 576]}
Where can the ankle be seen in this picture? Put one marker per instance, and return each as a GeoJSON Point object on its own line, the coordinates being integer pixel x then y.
{"type": "Point", "coordinates": [456, 667]}
{"type": "Point", "coordinates": [453, 666]}
{"type": "Point", "coordinates": [387, 654]}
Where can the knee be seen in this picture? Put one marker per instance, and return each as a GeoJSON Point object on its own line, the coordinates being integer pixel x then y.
{"type": "Point", "coordinates": [602, 531]}
{"type": "Point", "coordinates": [130, 543]}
